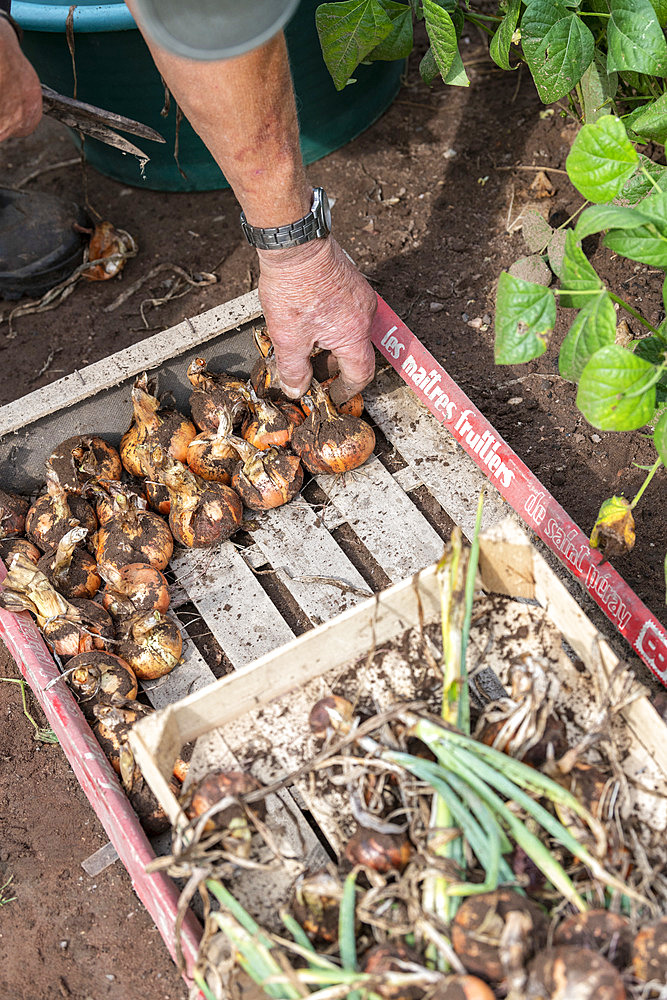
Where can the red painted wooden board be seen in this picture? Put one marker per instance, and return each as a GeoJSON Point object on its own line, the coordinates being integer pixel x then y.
{"type": "Point", "coordinates": [520, 488]}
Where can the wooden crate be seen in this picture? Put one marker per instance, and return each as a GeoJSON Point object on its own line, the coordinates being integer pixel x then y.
{"type": "Point", "coordinates": [269, 699]}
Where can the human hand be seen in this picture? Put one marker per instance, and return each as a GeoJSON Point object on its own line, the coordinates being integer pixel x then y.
{"type": "Point", "coordinates": [314, 296]}
{"type": "Point", "coordinates": [20, 90]}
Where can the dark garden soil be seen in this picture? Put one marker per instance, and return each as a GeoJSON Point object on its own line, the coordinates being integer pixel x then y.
{"type": "Point", "coordinates": [424, 200]}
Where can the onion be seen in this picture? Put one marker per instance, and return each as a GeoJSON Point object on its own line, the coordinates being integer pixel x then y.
{"type": "Point", "coordinates": [134, 536]}
{"type": "Point", "coordinates": [13, 510]}
{"type": "Point", "coordinates": [55, 513]}
{"type": "Point", "coordinates": [329, 442]}
{"type": "Point", "coordinates": [231, 818]}
{"type": "Point", "coordinates": [599, 930]}
{"type": "Point", "coordinates": [112, 498]}
{"type": "Point", "coordinates": [98, 676]}
{"type": "Point", "coordinates": [331, 714]}
{"type": "Point", "coordinates": [353, 407]}
{"type": "Point", "coordinates": [394, 957]}
{"type": "Point", "coordinates": [571, 973]}
{"type": "Point", "coordinates": [462, 987]}
{"type": "Point", "coordinates": [13, 546]}
{"type": "Point", "coordinates": [151, 644]}
{"type": "Point", "coordinates": [266, 479]}
{"type": "Point", "coordinates": [134, 588]}
{"type": "Point", "coordinates": [214, 392]}
{"type": "Point", "coordinates": [211, 457]}
{"type": "Point", "coordinates": [649, 953]}
{"type": "Point", "coordinates": [382, 852]}
{"type": "Point", "coordinates": [478, 927]}
{"type": "Point", "coordinates": [71, 569]}
{"type": "Point", "coordinates": [202, 513]}
{"type": "Point", "coordinates": [266, 426]}
{"type": "Point", "coordinates": [111, 727]}
{"type": "Point", "coordinates": [153, 427]}
{"type": "Point", "coordinates": [83, 627]}
{"type": "Point", "coordinates": [84, 457]}
{"type": "Point", "coordinates": [316, 905]}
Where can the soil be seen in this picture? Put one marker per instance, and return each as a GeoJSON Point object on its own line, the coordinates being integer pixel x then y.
{"type": "Point", "coordinates": [424, 201]}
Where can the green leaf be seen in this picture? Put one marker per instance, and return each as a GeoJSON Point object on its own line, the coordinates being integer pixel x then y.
{"type": "Point", "coordinates": [660, 8]}
{"type": "Point", "coordinates": [599, 217]}
{"type": "Point", "coordinates": [457, 76]}
{"type": "Point", "coordinates": [654, 350]}
{"type": "Point", "coordinates": [348, 32]}
{"type": "Point", "coordinates": [499, 49]}
{"type": "Point", "coordinates": [399, 41]}
{"type": "Point", "coordinates": [646, 243]}
{"type": "Point", "coordinates": [602, 159]}
{"type": "Point", "coordinates": [635, 40]}
{"type": "Point", "coordinates": [649, 122]}
{"type": "Point", "coordinates": [428, 67]}
{"type": "Point", "coordinates": [610, 392]}
{"type": "Point", "coordinates": [577, 274]}
{"type": "Point", "coordinates": [442, 36]}
{"type": "Point", "coordinates": [639, 186]}
{"type": "Point", "coordinates": [660, 437]}
{"type": "Point", "coordinates": [525, 317]}
{"type": "Point", "coordinates": [558, 48]}
{"type": "Point", "coordinates": [598, 89]}
{"type": "Point", "coordinates": [593, 328]}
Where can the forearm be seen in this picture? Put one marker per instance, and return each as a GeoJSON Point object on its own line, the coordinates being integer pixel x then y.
{"type": "Point", "coordinates": [244, 111]}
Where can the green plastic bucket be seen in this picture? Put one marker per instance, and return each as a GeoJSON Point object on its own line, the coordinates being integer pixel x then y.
{"type": "Point", "coordinates": [115, 71]}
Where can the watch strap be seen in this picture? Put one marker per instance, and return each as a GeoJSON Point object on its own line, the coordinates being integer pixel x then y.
{"type": "Point", "coordinates": [294, 234]}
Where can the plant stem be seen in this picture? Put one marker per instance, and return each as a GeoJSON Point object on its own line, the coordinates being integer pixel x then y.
{"type": "Point", "coordinates": [633, 312]}
{"type": "Point", "coordinates": [654, 469]}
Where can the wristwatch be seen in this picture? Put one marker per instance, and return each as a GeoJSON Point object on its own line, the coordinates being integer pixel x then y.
{"type": "Point", "coordinates": [315, 225]}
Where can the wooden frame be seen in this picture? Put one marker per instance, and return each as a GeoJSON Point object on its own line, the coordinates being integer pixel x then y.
{"type": "Point", "coordinates": [509, 564]}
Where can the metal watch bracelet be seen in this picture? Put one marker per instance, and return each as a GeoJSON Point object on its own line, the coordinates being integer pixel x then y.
{"type": "Point", "coordinates": [316, 224]}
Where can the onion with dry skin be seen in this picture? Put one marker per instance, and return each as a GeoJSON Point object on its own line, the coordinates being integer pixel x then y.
{"type": "Point", "coordinates": [154, 427]}
{"type": "Point", "coordinates": [393, 957]}
{"type": "Point", "coordinates": [111, 498]}
{"type": "Point", "coordinates": [600, 930]}
{"type": "Point", "coordinates": [572, 973]}
{"type": "Point", "coordinates": [150, 643]}
{"type": "Point", "coordinates": [13, 546]}
{"type": "Point", "coordinates": [214, 392]}
{"type": "Point", "coordinates": [134, 536]}
{"type": "Point", "coordinates": [135, 588]}
{"type": "Point", "coordinates": [316, 905]}
{"type": "Point", "coordinates": [353, 407]}
{"type": "Point", "coordinates": [202, 513]}
{"type": "Point", "coordinates": [57, 512]}
{"type": "Point", "coordinates": [649, 953]}
{"type": "Point", "coordinates": [382, 852]}
{"type": "Point", "coordinates": [112, 725]}
{"type": "Point", "coordinates": [84, 457]}
{"type": "Point", "coordinates": [211, 457]}
{"type": "Point", "coordinates": [328, 441]}
{"type": "Point", "coordinates": [13, 510]}
{"type": "Point", "coordinates": [462, 987]}
{"type": "Point", "coordinates": [71, 569]}
{"type": "Point", "coordinates": [225, 788]}
{"type": "Point", "coordinates": [98, 676]}
{"type": "Point", "coordinates": [265, 479]}
{"type": "Point", "coordinates": [266, 426]}
{"type": "Point", "coordinates": [477, 930]}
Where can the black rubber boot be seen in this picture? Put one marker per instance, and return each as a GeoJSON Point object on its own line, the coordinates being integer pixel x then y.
{"type": "Point", "coordinates": [39, 246]}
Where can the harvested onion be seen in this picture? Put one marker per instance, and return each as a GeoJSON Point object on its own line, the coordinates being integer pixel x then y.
{"type": "Point", "coordinates": [214, 392]}
{"type": "Point", "coordinates": [266, 426]}
{"type": "Point", "coordinates": [150, 643]}
{"type": "Point", "coordinates": [353, 407]}
{"type": "Point", "coordinates": [71, 569]}
{"type": "Point", "coordinates": [84, 457]}
{"type": "Point", "coordinates": [13, 510]}
{"type": "Point", "coordinates": [211, 457]}
{"type": "Point", "coordinates": [202, 513]}
{"type": "Point", "coordinates": [13, 546]}
{"type": "Point", "coordinates": [135, 588]}
{"type": "Point", "coordinates": [97, 677]}
{"type": "Point", "coordinates": [154, 426]}
{"type": "Point", "coordinates": [328, 441]}
{"type": "Point", "coordinates": [55, 513]}
{"type": "Point", "coordinates": [265, 479]}
{"type": "Point", "coordinates": [134, 536]}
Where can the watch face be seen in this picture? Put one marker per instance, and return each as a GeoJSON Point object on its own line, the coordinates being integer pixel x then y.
{"type": "Point", "coordinates": [326, 211]}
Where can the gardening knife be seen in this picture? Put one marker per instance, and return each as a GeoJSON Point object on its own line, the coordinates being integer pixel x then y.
{"type": "Point", "coordinates": [97, 122]}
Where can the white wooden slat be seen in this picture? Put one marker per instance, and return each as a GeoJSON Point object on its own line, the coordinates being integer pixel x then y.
{"type": "Point", "coordinates": [192, 674]}
{"type": "Point", "coordinates": [398, 536]}
{"type": "Point", "coordinates": [115, 368]}
{"type": "Point", "coordinates": [232, 603]}
{"type": "Point", "coordinates": [441, 464]}
{"type": "Point", "coordinates": [302, 552]}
